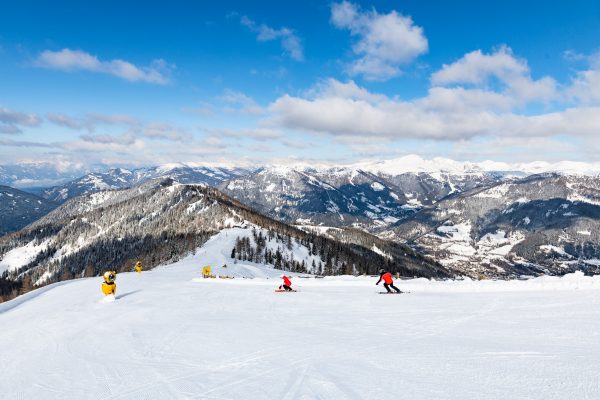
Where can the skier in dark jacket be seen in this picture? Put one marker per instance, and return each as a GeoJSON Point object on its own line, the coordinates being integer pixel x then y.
{"type": "Point", "coordinates": [388, 281]}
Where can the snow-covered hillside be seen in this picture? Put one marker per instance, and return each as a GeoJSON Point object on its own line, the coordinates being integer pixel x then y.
{"type": "Point", "coordinates": [216, 253]}
{"type": "Point", "coordinates": [172, 335]}
{"type": "Point", "coordinates": [544, 223]}
{"type": "Point", "coordinates": [347, 197]}
{"type": "Point", "coordinates": [334, 196]}
{"type": "Point", "coordinates": [164, 221]}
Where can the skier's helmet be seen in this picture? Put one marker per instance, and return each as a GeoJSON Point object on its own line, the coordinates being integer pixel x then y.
{"type": "Point", "coordinates": [381, 271]}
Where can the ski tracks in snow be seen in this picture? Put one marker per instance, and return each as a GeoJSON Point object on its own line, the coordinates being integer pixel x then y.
{"type": "Point", "coordinates": [192, 383]}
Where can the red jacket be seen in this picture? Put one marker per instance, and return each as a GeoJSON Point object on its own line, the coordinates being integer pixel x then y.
{"type": "Point", "coordinates": [286, 281]}
{"type": "Point", "coordinates": [387, 278]}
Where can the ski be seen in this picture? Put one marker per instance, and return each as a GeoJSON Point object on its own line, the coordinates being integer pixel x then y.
{"type": "Point", "coordinates": [282, 290]}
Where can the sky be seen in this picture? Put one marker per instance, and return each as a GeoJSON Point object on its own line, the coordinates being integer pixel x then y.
{"type": "Point", "coordinates": [118, 83]}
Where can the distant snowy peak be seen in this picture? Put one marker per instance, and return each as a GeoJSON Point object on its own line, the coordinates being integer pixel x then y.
{"type": "Point", "coordinates": [120, 178]}
{"type": "Point", "coordinates": [416, 164]}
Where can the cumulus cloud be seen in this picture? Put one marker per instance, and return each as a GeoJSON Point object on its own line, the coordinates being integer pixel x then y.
{"type": "Point", "coordinates": [77, 60]}
{"type": "Point", "coordinates": [290, 42]}
{"type": "Point", "coordinates": [479, 69]}
{"type": "Point", "coordinates": [585, 84]}
{"type": "Point", "coordinates": [12, 122]}
{"type": "Point", "coordinates": [431, 117]}
{"type": "Point", "coordinates": [385, 41]}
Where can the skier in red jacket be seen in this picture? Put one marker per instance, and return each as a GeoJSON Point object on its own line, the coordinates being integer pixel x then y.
{"type": "Point", "coordinates": [287, 284]}
{"type": "Point", "coordinates": [388, 281]}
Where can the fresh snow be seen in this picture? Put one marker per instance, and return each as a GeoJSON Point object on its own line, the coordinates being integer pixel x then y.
{"type": "Point", "coordinates": [21, 256]}
{"type": "Point", "coordinates": [376, 186]}
{"type": "Point", "coordinates": [547, 248]}
{"type": "Point", "coordinates": [172, 335]}
{"type": "Point", "coordinates": [381, 252]}
{"type": "Point", "coordinates": [496, 192]}
{"type": "Point", "coordinates": [216, 252]}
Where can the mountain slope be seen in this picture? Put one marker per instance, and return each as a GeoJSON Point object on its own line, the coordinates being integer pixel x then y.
{"type": "Point", "coordinates": [166, 221]}
{"type": "Point", "coordinates": [545, 223]}
{"type": "Point", "coordinates": [18, 209]}
{"type": "Point", "coordinates": [171, 335]}
{"type": "Point", "coordinates": [344, 196]}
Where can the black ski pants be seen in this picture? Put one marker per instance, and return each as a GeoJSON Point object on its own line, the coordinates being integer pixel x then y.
{"type": "Point", "coordinates": [387, 287]}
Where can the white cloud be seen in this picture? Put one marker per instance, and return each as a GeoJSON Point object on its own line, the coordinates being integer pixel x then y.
{"type": "Point", "coordinates": [127, 138]}
{"type": "Point", "coordinates": [241, 102]}
{"type": "Point", "coordinates": [258, 134]}
{"type": "Point", "coordinates": [66, 121]}
{"type": "Point", "coordinates": [288, 39]}
{"type": "Point", "coordinates": [160, 130]}
{"type": "Point", "coordinates": [26, 143]}
{"type": "Point", "coordinates": [515, 149]}
{"type": "Point", "coordinates": [476, 68]}
{"type": "Point", "coordinates": [445, 114]}
{"type": "Point", "coordinates": [585, 84]}
{"type": "Point", "coordinates": [11, 122]}
{"type": "Point", "coordinates": [90, 121]}
{"type": "Point", "coordinates": [104, 143]}
{"type": "Point", "coordinates": [385, 41]}
{"type": "Point", "coordinates": [479, 69]}
{"type": "Point", "coordinates": [76, 60]}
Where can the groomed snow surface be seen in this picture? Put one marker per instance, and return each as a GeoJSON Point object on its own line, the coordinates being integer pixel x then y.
{"type": "Point", "coordinates": [172, 335]}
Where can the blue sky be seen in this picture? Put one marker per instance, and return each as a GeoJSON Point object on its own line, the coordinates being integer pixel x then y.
{"type": "Point", "coordinates": [117, 83]}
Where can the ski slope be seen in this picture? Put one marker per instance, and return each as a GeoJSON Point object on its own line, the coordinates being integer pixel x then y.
{"type": "Point", "coordinates": [172, 335]}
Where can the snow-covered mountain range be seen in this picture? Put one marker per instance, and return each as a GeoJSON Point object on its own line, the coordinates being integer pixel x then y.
{"type": "Point", "coordinates": [545, 223]}
{"type": "Point", "coordinates": [120, 178]}
{"type": "Point", "coordinates": [346, 196]}
{"type": "Point", "coordinates": [414, 164]}
{"type": "Point", "coordinates": [485, 218]}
